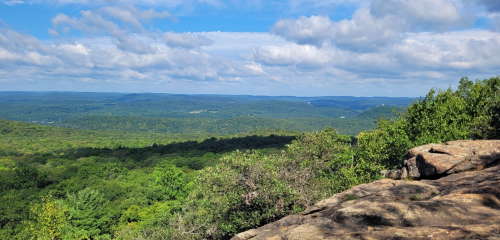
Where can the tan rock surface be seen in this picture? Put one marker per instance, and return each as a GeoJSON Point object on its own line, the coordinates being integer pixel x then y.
{"type": "Point", "coordinates": [459, 206]}
{"type": "Point", "coordinates": [436, 160]}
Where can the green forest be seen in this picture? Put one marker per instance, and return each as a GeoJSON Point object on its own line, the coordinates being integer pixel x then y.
{"type": "Point", "coordinates": [46, 107]}
{"type": "Point", "coordinates": [196, 114]}
{"type": "Point", "coordinates": [134, 176]}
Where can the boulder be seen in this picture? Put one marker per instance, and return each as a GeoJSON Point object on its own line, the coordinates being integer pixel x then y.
{"type": "Point", "coordinates": [436, 160]}
{"type": "Point", "coordinates": [462, 205]}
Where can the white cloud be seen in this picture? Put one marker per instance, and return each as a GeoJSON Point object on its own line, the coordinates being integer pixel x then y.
{"type": "Point", "coordinates": [8, 57]}
{"type": "Point", "coordinates": [137, 40]}
{"type": "Point", "coordinates": [13, 2]}
{"type": "Point", "coordinates": [363, 31]}
{"type": "Point", "coordinates": [239, 45]}
{"type": "Point", "coordinates": [423, 55]}
{"type": "Point", "coordinates": [314, 30]}
{"type": "Point", "coordinates": [305, 56]}
{"type": "Point", "coordinates": [490, 5]}
{"type": "Point", "coordinates": [384, 23]}
{"type": "Point", "coordinates": [107, 60]}
{"type": "Point", "coordinates": [255, 68]}
{"type": "Point", "coordinates": [484, 54]}
{"type": "Point", "coordinates": [432, 14]}
{"type": "Point", "coordinates": [496, 24]}
{"type": "Point", "coordinates": [186, 40]}
{"type": "Point", "coordinates": [437, 57]}
{"type": "Point", "coordinates": [53, 33]}
{"type": "Point", "coordinates": [96, 22]}
{"type": "Point", "coordinates": [131, 74]}
{"type": "Point", "coordinates": [131, 15]}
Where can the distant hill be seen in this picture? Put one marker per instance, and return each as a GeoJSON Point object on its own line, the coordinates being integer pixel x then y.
{"type": "Point", "coordinates": [381, 111]}
{"type": "Point", "coordinates": [177, 113]}
{"type": "Point", "coordinates": [361, 104]}
{"type": "Point", "coordinates": [43, 107]}
{"type": "Point", "coordinates": [350, 126]}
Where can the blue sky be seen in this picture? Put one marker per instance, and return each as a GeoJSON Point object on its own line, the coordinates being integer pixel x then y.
{"type": "Point", "coordinates": [284, 47]}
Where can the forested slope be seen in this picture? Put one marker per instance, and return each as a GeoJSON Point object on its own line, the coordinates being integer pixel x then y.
{"type": "Point", "coordinates": [349, 126]}
{"type": "Point", "coordinates": [116, 175]}
{"type": "Point", "coordinates": [195, 114]}
{"type": "Point", "coordinates": [131, 187]}
{"type": "Point", "coordinates": [59, 106]}
{"type": "Point", "coordinates": [258, 189]}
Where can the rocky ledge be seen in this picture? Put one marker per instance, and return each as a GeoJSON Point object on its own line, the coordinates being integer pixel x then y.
{"type": "Point", "coordinates": [437, 160]}
{"type": "Point", "coordinates": [461, 200]}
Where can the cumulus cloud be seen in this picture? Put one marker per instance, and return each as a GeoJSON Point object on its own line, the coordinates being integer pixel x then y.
{"type": "Point", "coordinates": [105, 20]}
{"type": "Point", "coordinates": [304, 56]}
{"type": "Point", "coordinates": [255, 68]}
{"type": "Point", "coordinates": [18, 49]}
{"type": "Point", "coordinates": [129, 14]}
{"type": "Point", "coordinates": [429, 14]}
{"type": "Point", "coordinates": [440, 57]}
{"type": "Point", "coordinates": [314, 30]}
{"type": "Point", "coordinates": [99, 21]}
{"type": "Point", "coordinates": [496, 24]}
{"type": "Point", "coordinates": [435, 56]}
{"type": "Point", "coordinates": [484, 54]}
{"type": "Point", "coordinates": [363, 31]}
{"type": "Point", "coordinates": [186, 40]}
{"type": "Point", "coordinates": [105, 59]}
{"type": "Point", "coordinates": [384, 23]}
{"type": "Point", "coordinates": [491, 5]}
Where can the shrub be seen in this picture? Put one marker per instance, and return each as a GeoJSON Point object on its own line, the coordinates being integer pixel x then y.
{"type": "Point", "coordinates": [249, 189]}
{"type": "Point", "coordinates": [415, 197]}
{"type": "Point", "coordinates": [351, 197]}
{"type": "Point", "coordinates": [472, 111]}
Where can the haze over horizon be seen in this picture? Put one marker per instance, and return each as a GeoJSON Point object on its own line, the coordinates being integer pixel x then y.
{"type": "Point", "coordinates": [394, 48]}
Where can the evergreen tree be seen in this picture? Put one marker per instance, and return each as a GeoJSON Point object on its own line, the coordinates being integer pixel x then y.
{"type": "Point", "coordinates": [88, 215]}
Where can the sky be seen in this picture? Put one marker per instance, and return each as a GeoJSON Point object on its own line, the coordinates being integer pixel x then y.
{"type": "Point", "coordinates": [394, 48]}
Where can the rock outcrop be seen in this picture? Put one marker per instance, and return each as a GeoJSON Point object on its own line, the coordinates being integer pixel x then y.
{"type": "Point", "coordinates": [464, 203]}
{"type": "Point", "coordinates": [436, 160]}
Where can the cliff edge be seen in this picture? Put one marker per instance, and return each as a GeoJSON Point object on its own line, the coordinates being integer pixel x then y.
{"type": "Point", "coordinates": [457, 197]}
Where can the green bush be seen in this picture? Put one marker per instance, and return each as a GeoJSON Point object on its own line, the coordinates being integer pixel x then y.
{"type": "Point", "coordinates": [249, 189]}
{"type": "Point", "coordinates": [470, 112]}
{"type": "Point", "coordinates": [415, 197]}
